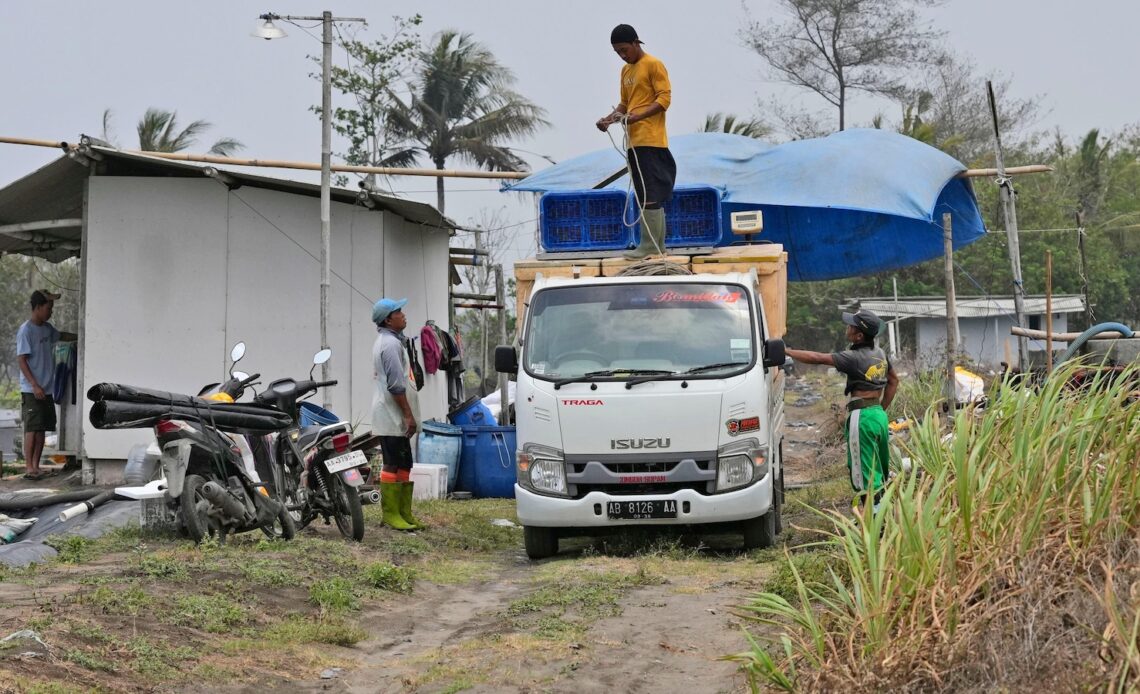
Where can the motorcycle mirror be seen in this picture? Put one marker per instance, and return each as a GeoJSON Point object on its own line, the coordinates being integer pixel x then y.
{"type": "Point", "coordinates": [322, 356]}
{"type": "Point", "coordinates": [237, 352]}
{"type": "Point", "coordinates": [240, 375]}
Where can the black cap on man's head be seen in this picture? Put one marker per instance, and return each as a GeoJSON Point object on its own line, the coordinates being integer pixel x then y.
{"type": "Point", "coordinates": [864, 321]}
{"type": "Point", "coordinates": [41, 297]}
{"type": "Point", "coordinates": [624, 33]}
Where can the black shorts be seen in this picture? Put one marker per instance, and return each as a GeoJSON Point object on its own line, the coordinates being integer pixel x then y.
{"type": "Point", "coordinates": [37, 415]}
{"type": "Point", "coordinates": [397, 452]}
{"type": "Point", "coordinates": [654, 172]}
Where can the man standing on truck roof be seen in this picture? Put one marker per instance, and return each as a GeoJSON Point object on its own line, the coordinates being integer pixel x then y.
{"type": "Point", "coordinates": [645, 96]}
{"type": "Point", "coordinates": [871, 385]}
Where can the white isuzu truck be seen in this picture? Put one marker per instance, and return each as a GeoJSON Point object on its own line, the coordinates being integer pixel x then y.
{"type": "Point", "coordinates": [650, 400]}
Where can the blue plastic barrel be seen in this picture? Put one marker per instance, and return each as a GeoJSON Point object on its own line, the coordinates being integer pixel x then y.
{"type": "Point", "coordinates": [487, 462]}
{"type": "Point", "coordinates": [440, 444]}
{"type": "Point", "coordinates": [472, 412]}
{"type": "Point", "coordinates": [315, 415]}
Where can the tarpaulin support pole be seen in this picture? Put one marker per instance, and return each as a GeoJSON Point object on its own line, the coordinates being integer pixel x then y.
{"type": "Point", "coordinates": [951, 312]}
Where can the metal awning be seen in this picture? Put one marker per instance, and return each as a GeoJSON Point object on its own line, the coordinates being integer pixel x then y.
{"type": "Point", "coordinates": [41, 213]}
{"type": "Point", "coordinates": [968, 306]}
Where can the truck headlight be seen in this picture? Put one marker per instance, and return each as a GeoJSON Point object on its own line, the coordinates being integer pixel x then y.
{"type": "Point", "coordinates": [541, 469]}
{"type": "Point", "coordinates": [740, 463]}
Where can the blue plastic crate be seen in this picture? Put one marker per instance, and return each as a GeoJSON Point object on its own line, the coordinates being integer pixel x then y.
{"type": "Point", "coordinates": [692, 217]}
{"type": "Point", "coordinates": [586, 220]}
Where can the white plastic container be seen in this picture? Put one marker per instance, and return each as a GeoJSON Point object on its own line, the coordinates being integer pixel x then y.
{"type": "Point", "coordinates": [431, 481]}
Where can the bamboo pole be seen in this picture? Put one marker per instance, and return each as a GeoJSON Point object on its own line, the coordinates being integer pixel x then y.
{"type": "Point", "coordinates": [951, 310]}
{"type": "Point", "coordinates": [1048, 311]}
{"type": "Point", "coordinates": [394, 171]}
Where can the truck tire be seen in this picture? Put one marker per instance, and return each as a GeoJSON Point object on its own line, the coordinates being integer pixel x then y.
{"type": "Point", "coordinates": [540, 542]}
{"type": "Point", "coordinates": [760, 532]}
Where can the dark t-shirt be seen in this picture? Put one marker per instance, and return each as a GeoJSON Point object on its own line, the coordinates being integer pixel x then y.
{"type": "Point", "coordinates": [865, 366]}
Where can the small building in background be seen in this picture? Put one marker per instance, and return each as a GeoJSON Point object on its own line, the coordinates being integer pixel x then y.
{"type": "Point", "coordinates": [10, 440]}
{"type": "Point", "coordinates": [984, 324]}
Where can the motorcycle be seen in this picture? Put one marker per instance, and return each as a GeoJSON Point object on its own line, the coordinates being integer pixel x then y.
{"type": "Point", "coordinates": [211, 475]}
{"type": "Point", "coordinates": [316, 469]}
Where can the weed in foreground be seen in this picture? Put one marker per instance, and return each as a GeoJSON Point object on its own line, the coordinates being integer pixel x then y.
{"type": "Point", "coordinates": [333, 594]}
{"type": "Point", "coordinates": [72, 549]}
{"type": "Point", "coordinates": [395, 579]}
{"type": "Point", "coordinates": [298, 629]}
{"type": "Point", "coordinates": [213, 613]}
{"type": "Point", "coordinates": [117, 600]}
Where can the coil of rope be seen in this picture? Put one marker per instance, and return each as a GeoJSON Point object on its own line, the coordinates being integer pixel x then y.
{"type": "Point", "coordinates": [625, 152]}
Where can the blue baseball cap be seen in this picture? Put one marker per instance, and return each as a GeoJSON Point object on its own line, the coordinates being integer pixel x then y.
{"type": "Point", "coordinates": [385, 307]}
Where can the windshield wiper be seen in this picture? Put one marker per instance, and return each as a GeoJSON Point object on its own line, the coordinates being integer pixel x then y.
{"type": "Point", "coordinates": [590, 375]}
{"type": "Point", "coordinates": [711, 367]}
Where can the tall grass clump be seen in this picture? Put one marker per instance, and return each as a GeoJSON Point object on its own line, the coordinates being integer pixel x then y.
{"type": "Point", "coordinates": [1011, 560]}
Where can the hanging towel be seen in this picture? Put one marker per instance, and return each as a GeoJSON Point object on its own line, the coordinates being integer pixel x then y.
{"type": "Point", "coordinates": [429, 345]}
{"type": "Point", "coordinates": [417, 371]}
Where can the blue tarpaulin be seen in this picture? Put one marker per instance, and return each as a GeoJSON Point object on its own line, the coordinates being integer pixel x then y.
{"type": "Point", "coordinates": [849, 204]}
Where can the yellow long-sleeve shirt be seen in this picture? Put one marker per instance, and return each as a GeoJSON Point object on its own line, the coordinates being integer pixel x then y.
{"type": "Point", "coordinates": [642, 84]}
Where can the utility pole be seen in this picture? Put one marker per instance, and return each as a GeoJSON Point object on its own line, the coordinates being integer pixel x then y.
{"type": "Point", "coordinates": [1009, 209]}
{"type": "Point", "coordinates": [504, 393]}
{"type": "Point", "coordinates": [326, 186]}
{"type": "Point", "coordinates": [1084, 268]}
{"type": "Point", "coordinates": [951, 311]}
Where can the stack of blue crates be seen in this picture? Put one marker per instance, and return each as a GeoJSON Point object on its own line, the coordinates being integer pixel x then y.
{"type": "Point", "coordinates": [591, 220]}
{"type": "Point", "coordinates": [586, 220]}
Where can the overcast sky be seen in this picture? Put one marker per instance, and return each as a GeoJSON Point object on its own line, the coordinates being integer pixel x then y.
{"type": "Point", "coordinates": [65, 62]}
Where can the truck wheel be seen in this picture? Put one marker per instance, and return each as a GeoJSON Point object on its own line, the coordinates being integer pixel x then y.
{"type": "Point", "coordinates": [760, 533]}
{"type": "Point", "coordinates": [540, 542]}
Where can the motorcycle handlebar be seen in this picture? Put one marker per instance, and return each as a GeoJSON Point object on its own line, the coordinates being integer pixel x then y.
{"type": "Point", "coordinates": [323, 384]}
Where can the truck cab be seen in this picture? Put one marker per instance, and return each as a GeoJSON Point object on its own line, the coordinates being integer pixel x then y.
{"type": "Point", "coordinates": [654, 400]}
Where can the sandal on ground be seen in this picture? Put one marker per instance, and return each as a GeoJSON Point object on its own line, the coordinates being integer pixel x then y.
{"type": "Point", "coordinates": [32, 476]}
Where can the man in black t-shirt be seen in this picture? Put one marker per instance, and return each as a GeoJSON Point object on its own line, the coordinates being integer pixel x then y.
{"type": "Point", "coordinates": [871, 386]}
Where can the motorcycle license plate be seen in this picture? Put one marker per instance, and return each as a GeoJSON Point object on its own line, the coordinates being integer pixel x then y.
{"type": "Point", "coordinates": [641, 510]}
{"type": "Point", "coordinates": [344, 462]}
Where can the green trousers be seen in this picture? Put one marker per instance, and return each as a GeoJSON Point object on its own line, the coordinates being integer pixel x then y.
{"type": "Point", "coordinates": [868, 448]}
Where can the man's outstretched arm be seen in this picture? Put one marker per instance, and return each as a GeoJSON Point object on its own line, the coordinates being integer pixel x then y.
{"type": "Point", "coordinates": [804, 356]}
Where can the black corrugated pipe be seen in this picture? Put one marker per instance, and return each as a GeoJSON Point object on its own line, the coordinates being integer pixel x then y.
{"type": "Point", "coordinates": [23, 502]}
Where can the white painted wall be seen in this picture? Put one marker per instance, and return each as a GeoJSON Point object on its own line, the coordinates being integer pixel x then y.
{"type": "Point", "coordinates": [984, 339]}
{"type": "Point", "coordinates": [180, 269]}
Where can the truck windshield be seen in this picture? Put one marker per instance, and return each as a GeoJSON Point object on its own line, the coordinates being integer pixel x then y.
{"type": "Point", "coordinates": [627, 330]}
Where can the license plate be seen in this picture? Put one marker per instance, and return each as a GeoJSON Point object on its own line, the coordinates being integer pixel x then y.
{"type": "Point", "coordinates": [640, 510]}
{"type": "Point", "coordinates": [344, 462]}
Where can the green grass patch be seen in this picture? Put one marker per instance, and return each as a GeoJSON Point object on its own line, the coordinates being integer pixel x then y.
{"type": "Point", "coordinates": [213, 613]}
{"type": "Point", "coordinates": [395, 579]}
{"type": "Point", "coordinates": [89, 660]}
{"type": "Point", "coordinates": [267, 572]}
{"type": "Point", "coordinates": [563, 608]}
{"type": "Point", "coordinates": [156, 660]}
{"type": "Point", "coordinates": [117, 600]}
{"type": "Point", "coordinates": [333, 594]}
{"type": "Point", "coordinates": [162, 566]}
{"type": "Point", "coordinates": [328, 629]}
{"type": "Point", "coordinates": [73, 549]}
{"type": "Point", "coordinates": [813, 569]}
{"type": "Point", "coordinates": [454, 572]}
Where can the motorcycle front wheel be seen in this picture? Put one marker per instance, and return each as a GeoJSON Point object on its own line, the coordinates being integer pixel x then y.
{"type": "Point", "coordinates": [346, 509]}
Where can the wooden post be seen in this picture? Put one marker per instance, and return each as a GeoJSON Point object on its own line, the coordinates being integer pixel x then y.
{"type": "Point", "coordinates": [483, 277]}
{"type": "Point", "coordinates": [1048, 311]}
{"type": "Point", "coordinates": [1084, 268]}
{"type": "Point", "coordinates": [893, 326]}
{"type": "Point", "coordinates": [1009, 208]}
{"type": "Point", "coordinates": [504, 400]}
{"type": "Point", "coordinates": [951, 310]}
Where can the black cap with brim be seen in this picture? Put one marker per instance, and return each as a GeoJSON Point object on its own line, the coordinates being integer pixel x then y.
{"type": "Point", "coordinates": [864, 321]}
{"type": "Point", "coordinates": [624, 33]}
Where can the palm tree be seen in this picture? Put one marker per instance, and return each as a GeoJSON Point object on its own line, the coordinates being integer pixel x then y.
{"type": "Point", "coordinates": [728, 123]}
{"type": "Point", "coordinates": [158, 132]}
{"type": "Point", "coordinates": [461, 105]}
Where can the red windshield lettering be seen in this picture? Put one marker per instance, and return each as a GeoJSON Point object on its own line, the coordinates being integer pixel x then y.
{"type": "Point", "coordinates": [705, 297]}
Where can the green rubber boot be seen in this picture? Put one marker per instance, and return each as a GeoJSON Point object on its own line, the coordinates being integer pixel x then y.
{"type": "Point", "coordinates": [652, 236]}
{"type": "Point", "coordinates": [406, 505]}
{"type": "Point", "coordinates": [390, 504]}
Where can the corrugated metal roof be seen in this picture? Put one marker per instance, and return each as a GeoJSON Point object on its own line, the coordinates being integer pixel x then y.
{"type": "Point", "coordinates": [967, 306]}
{"type": "Point", "coordinates": [55, 191]}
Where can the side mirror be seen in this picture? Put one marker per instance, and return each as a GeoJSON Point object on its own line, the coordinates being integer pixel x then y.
{"type": "Point", "coordinates": [240, 375]}
{"type": "Point", "coordinates": [506, 359]}
{"type": "Point", "coordinates": [237, 352]}
{"type": "Point", "coordinates": [322, 356]}
{"type": "Point", "coordinates": [774, 353]}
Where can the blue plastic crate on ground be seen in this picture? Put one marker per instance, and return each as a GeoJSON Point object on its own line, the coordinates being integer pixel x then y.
{"type": "Point", "coordinates": [587, 220]}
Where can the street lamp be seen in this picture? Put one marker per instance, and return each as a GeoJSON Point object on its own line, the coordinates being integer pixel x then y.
{"type": "Point", "coordinates": [267, 30]}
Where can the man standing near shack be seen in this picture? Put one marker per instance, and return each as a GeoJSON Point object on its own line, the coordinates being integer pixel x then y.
{"type": "Point", "coordinates": [395, 412]}
{"type": "Point", "coordinates": [645, 96]}
{"type": "Point", "coordinates": [35, 344]}
{"type": "Point", "coordinates": [871, 386]}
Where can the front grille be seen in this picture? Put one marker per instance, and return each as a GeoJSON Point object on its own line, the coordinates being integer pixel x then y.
{"type": "Point", "coordinates": [623, 475]}
{"type": "Point", "coordinates": [641, 489]}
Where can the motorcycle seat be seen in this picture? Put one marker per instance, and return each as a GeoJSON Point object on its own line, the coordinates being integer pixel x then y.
{"type": "Point", "coordinates": [308, 436]}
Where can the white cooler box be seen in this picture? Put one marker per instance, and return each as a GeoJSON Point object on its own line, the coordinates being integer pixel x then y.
{"type": "Point", "coordinates": [431, 481]}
